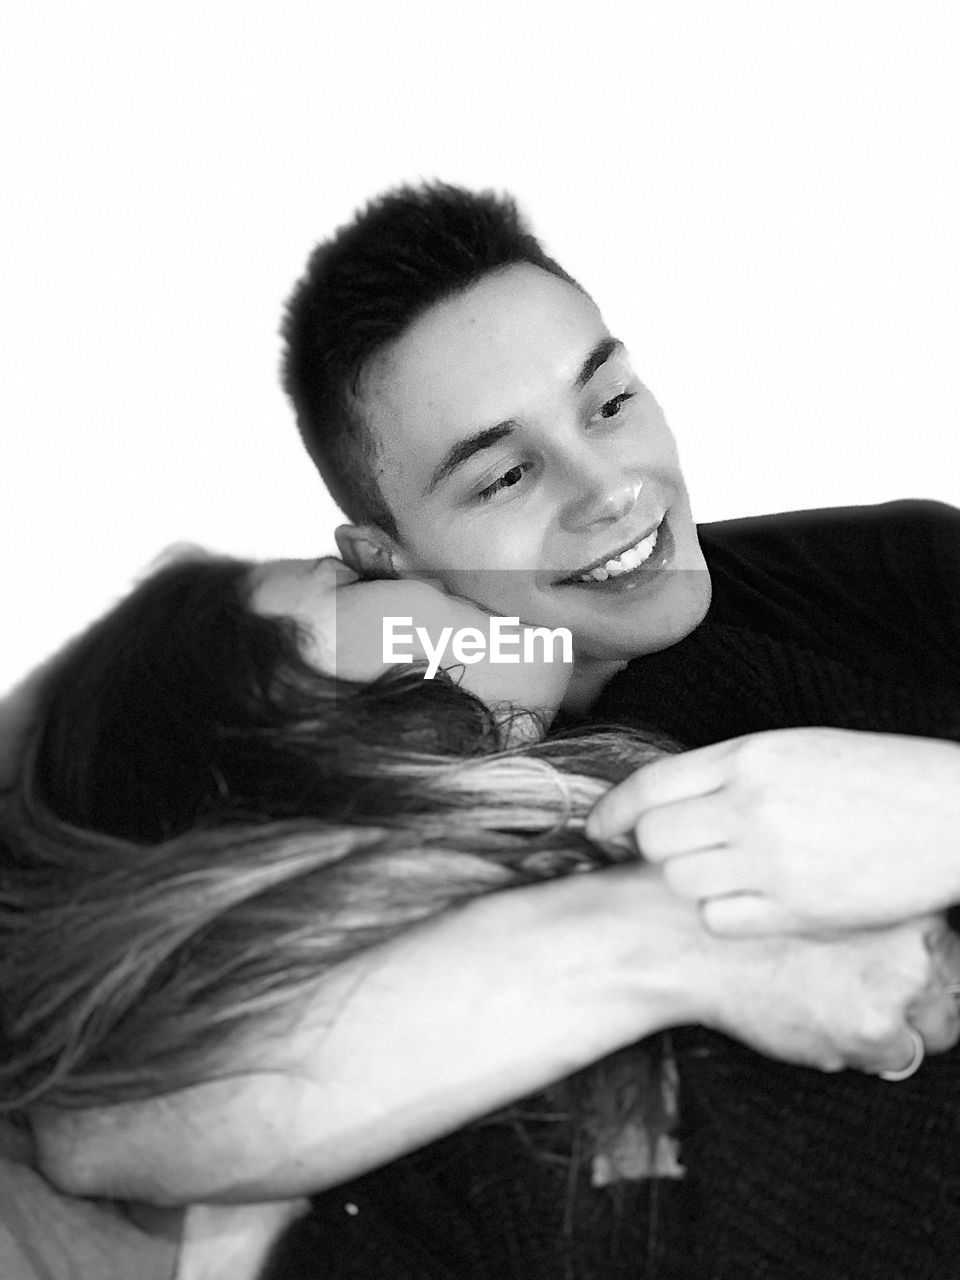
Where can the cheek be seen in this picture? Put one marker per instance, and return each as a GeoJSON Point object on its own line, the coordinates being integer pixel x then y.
{"type": "Point", "coordinates": [350, 646]}
{"type": "Point", "coordinates": [653, 431]}
{"type": "Point", "coordinates": [502, 591]}
{"type": "Point", "coordinates": [653, 444]}
{"type": "Point", "coordinates": [506, 540]}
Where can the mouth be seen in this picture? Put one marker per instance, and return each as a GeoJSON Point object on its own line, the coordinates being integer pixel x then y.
{"type": "Point", "coordinates": [623, 564]}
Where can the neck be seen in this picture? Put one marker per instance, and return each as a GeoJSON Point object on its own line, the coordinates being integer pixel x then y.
{"type": "Point", "coordinates": [590, 676]}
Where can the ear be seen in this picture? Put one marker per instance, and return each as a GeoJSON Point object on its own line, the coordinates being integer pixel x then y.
{"type": "Point", "coordinates": [369, 551]}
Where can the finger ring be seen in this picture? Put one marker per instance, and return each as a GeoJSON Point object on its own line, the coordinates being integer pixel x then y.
{"type": "Point", "coordinates": [914, 1064]}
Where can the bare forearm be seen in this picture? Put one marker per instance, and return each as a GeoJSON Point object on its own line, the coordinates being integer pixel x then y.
{"type": "Point", "coordinates": [487, 1004]}
{"type": "Point", "coordinates": [467, 1014]}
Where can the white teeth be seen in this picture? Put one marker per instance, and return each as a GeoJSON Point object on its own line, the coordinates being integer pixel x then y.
{"type": "Point", "coordinates": [645, 548]}
{"type": "Point", "coordinates": [627, 560]}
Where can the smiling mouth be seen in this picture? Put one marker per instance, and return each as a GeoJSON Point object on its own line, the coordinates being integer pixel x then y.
{"type": "Point", "coordinates": [624, 561]}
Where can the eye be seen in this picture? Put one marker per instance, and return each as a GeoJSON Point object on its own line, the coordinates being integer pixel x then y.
{"type": "Point", "coordinates": [506, 481]}
{"type": "Point", "coordinates": [610, 408]}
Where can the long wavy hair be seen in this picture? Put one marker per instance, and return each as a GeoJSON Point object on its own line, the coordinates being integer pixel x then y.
{"type": "Point", "coordinates": [205, 824]}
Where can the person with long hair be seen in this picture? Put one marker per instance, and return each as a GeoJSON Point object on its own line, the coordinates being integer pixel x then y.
{"type": "Point", "coordinates": [254, 939]}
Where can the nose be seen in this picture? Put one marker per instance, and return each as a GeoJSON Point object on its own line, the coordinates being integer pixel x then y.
{"type": "Point", "coordinates": [601, 493]}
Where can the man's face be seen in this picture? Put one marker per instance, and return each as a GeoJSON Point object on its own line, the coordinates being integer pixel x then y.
{"type": "Point", "coordinates": [518, 451]}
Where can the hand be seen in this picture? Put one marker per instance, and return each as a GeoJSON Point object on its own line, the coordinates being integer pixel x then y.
{"type": "Point", "coordinates": [841, 1002]}
{"type": "Point", "coordinates": [799, 830]}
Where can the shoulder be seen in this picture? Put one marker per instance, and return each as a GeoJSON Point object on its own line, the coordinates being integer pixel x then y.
{"type": "Point", "coordinates": [895, 564]}
{"type": "Point", "coordinates": [822, 521]}
{"type": "Point", "coordinates": [906, 529]}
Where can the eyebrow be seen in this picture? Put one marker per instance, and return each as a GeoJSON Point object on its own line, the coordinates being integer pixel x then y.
{"type": "Point", "coordinates": [600, 354]}
{"type": "Point", "coordinates": [464, 449]}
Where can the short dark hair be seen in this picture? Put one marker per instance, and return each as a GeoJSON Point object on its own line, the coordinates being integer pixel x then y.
{"type": "Point", "coordinates": [406, 251]}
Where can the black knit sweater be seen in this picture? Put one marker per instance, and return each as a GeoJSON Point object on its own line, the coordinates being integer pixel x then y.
{"type": "Point", "coordinates": [842, 618]}
{"type": "Point", "coordinates": [849, 619]}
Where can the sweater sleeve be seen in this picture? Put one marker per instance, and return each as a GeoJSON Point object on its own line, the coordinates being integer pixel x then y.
{"type": "Point", "coordinates": [921, 546]}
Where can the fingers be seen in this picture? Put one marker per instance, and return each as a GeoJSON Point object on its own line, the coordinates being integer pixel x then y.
{"type": "Point", "coordinates": [745, 915]}
{"type": "Point", "coordinates": [729, 882]}
{"type": "Point", "coordinates": [686, 826]}
{"type": "Point", "coordinates": [935, 1012]}
{"type": "Point", "coordinates": [932, 1016]}
{"type": "Point", "coordinates": [937, 1021]}
{"type": "Point", "coordinates": [934, 1027]}
{"type": "Point", "coordinates": [894, 1056]}
{"type": "Point", "coordinates": [708, 874]}
{"type": "Point", "coordinates": [713, 873]}
{"type": "Point", "coordinates": [912, 1064]}
{"type": "Point", "coordinates": [662, 782]}
{"type": "Point", "coordinates": [944, 946]}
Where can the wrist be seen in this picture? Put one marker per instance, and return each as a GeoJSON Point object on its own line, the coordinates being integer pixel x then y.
{"type": "Point", "coordinates": [644, 957]}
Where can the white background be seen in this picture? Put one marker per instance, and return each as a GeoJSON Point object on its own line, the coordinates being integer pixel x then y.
{"type": "Point", "coordinates": [761, 194]}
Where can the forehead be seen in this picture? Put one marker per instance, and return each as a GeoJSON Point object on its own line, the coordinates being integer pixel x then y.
{"type": "Point", "coordinates": [500, 349]}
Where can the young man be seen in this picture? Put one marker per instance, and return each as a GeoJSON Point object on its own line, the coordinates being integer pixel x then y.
{"type": "Point", "coordinates": [477, 422]}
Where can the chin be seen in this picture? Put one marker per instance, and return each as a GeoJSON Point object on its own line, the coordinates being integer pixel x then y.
{"type": "Point", "coordinates": [655, 627]}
